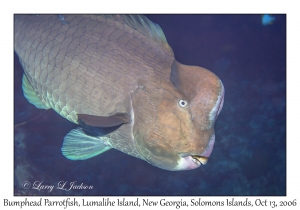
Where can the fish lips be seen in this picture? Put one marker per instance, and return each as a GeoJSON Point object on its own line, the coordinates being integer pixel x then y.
{"type": "Point", "coordinates": [188, 162]}
{"type": "Point", "coordinates": [191, 161]}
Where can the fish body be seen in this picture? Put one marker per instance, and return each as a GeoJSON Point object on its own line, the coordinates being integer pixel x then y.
{"type": "Point", "coordinates": [116, 77]}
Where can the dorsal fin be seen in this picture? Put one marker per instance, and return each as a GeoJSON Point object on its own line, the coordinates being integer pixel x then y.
{"type": "Point", "coordinates": [144, 26]}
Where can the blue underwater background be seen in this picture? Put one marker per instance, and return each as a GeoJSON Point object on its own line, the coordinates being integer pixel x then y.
{"type": "Point", "coordinates": [249, 156]}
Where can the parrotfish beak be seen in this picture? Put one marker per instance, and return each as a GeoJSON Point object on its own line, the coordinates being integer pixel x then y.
{"type": "Point", "coordinates": [192, 161]}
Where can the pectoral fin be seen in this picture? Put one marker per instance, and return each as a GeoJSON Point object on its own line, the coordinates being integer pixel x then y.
{"type": "Point", "coordinates": [79, 146]}
{"type": "Point", "coordinates": [109, 121]}
{"type": "Point", "coordinates": [31, 96]}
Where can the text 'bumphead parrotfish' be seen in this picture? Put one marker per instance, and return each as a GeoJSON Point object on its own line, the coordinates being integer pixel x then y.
{"type": "Point", "coordinates": [116, 77]}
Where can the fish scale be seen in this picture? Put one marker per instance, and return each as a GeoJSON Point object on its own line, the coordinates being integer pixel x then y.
{"type": "Point", "coordinates": [116, 76]}
{"type": "Point", "coordinates": [55, 44]}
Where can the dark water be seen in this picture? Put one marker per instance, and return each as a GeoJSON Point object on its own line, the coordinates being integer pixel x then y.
{"type": "Point", "coordinates": [249, 156]}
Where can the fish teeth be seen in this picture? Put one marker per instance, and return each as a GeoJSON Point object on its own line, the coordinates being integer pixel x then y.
{"type": "Point", "coordinates": [201, 159]}
{"type": "Point", "coordinates": [195, 161]}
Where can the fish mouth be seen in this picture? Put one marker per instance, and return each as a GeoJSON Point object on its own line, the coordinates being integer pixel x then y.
{"type": "Point", "coordinates": [199, 159]}
{"type": "Point", "coordinates": [188, 161]}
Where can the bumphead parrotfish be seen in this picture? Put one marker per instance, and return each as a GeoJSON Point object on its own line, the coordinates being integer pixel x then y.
{"type": "Point", "coordinates": [117, 78]}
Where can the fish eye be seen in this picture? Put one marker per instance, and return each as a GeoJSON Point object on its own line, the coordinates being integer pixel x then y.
{"type": "Point", "coordinates": [182, 103]}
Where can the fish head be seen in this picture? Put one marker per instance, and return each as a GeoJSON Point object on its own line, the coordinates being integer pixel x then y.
{"type": "Point", "coordinates": [174, 120]}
